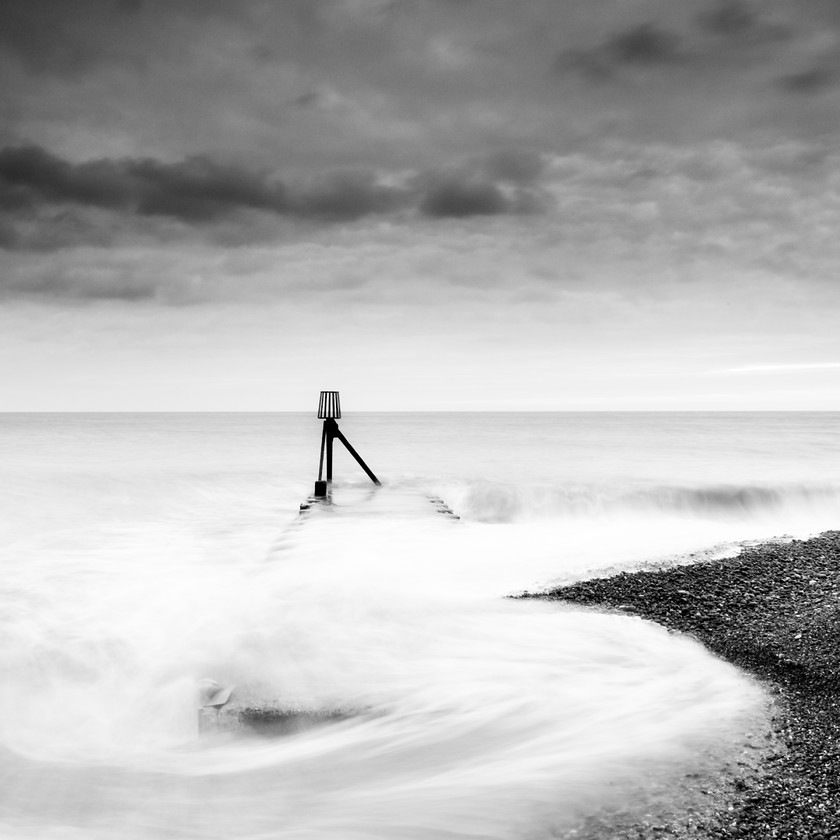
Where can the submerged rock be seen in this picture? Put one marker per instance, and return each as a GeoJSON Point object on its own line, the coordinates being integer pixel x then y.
{"type": "Point", "coordinates": [268, 719]}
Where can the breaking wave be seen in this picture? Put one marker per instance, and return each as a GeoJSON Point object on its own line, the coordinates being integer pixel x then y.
{"type": "Point", "coordinates": [491, 502]}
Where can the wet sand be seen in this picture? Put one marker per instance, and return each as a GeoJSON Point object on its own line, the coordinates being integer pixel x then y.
{"type": "Point", "coordinates": [773, 611]}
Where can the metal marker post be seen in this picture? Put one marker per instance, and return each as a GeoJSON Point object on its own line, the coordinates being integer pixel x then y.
{"type": "Point", "coordinates": [329, 410]}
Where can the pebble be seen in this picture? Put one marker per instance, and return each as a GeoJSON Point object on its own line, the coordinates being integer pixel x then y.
{"type": "Point", "coordinates": [774, 611]}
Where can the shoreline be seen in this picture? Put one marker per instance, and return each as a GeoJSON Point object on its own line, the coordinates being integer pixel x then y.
{"type": "Point", "coordinates": [774, 612]}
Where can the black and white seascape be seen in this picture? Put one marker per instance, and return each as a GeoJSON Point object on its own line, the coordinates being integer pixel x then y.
{"type": "Point", "coordinates": [572, 266]}
{"type": "Point", "coordinates": [145, 553]}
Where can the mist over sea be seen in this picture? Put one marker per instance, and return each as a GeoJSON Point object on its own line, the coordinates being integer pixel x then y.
{"type": "Point", "coordinates": [141, 553]}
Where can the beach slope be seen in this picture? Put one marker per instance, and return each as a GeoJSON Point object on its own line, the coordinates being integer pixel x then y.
{"type": "Point", "coordinates": [774, 611]}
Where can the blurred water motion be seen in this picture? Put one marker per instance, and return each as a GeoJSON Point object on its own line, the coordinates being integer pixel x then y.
{"type": "Point", "coordinates": [142, 553]}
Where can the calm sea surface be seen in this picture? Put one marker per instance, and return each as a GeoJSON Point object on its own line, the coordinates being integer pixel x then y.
{"type": "Point", "coordinates": [141, 553]}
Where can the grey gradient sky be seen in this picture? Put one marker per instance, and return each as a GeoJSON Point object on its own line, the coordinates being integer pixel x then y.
{"type": "Point", "coordinates": [428, 204]}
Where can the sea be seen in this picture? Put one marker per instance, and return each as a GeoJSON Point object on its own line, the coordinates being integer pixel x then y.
{"type": "Point", "coordinates": [143, 553]}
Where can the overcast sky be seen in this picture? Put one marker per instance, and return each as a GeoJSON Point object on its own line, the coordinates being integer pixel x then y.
{"type": "Point", "coordinates": [427, 204]}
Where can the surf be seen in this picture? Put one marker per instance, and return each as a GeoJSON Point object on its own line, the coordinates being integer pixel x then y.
{"type": "Point", "coordinates": [458, 712]}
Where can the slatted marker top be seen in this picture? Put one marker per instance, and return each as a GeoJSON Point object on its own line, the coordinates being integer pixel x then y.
{"type": "Point", "coordinates": [329, 406]}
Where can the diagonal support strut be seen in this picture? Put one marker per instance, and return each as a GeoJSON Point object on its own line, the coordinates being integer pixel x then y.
{"type": "Point", "coordinates": [329, 434]}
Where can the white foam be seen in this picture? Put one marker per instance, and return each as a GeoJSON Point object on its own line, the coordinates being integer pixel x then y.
{"type": "Point", "coordinates": [474, 715]}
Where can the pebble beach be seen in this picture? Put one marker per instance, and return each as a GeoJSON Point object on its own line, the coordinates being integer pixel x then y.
{"type": "Point", "coordinates": [773, 611]}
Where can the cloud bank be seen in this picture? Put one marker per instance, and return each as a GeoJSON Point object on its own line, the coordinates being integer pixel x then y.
{"type": "Point", "coordinates": [43, 198]}
{"type": "Point", "coordinates": [653, 177]}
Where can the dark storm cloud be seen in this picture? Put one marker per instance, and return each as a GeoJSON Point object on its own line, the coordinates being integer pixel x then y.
{"type": "Point", "coordinates": [741, 20]}
{"type": "Point", "coordinates": [199, 189]}
{"type": "Point", "coordinates": [344, 195]}
{"type": "Point", "coordinates": [47, 201]}
{"type": "Point", "coordinates": [808, 81]}
{"type": "Point", "coordinates": [194, 190]}
{"type": "Point", "coordinates": [60, 37]}
{"type": "Point", "coordinates": [503, 182]}
{"type": "Point", "coordinates": [325, 85]}
{"type": "Point", "coordinates": [643, 45]}
{"type": "Point", "coordinates": [31, 173]}
{"type": "Point", "coordinates": [728, 18]}
{"type": "Point", "coordinates": [458, 198]}
{"type": "Point", "coordinates": [74, 38]}
{"type": "Point", "coordinates": [722, 34]}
